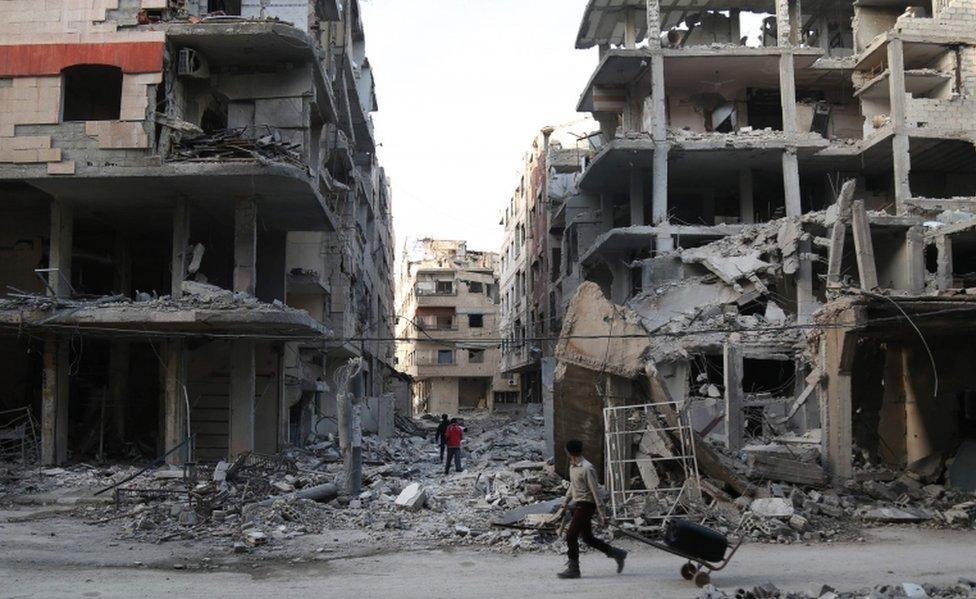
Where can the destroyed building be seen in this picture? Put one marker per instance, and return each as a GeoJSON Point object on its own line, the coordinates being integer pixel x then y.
{"type": "Point", "coordinates": [532, 264]}
{"type": "Point", "coordinates": [197, 227]}
{"type": "Point", "coordinates": [773, 230]}
{"type": "Point", "coordinates": [448, 328]}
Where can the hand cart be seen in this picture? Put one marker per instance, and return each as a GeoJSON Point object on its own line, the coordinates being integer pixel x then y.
{"type": "Point", "coordinates": [696, 568]}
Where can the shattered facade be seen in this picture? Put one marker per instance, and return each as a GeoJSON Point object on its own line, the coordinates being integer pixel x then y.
{"type": "Point", "coordinates": [448, 328]}
{"type": "Point", "coordinates": [196, 228]}
{"type": "Point", "coordinates": [777, 220]}
{"type": "Point", "coordinates": [537, 261]}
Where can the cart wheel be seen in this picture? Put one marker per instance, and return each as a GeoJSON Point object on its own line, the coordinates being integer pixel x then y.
{"type": "Point", "coordinates": [688, 571]}
{"type": "Point", "coordinates": [702, 578]}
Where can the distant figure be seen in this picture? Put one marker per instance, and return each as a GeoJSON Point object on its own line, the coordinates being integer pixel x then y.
{"type": "Point", "coordinates": [439, 435]}
{"type": "Point", "coordinates": [584, 492]}
{"type": "Point", "coordinates": [453, 436]}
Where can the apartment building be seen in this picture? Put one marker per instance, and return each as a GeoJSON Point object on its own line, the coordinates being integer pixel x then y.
{"type": "Point", "coordinates": [533, 284]}
{"type": "Point", "coordinates": [196, 227]}
{"type": "Point", "coordinates": [741, 146]}
{"type": "Point", "coordinates": [448, 321]}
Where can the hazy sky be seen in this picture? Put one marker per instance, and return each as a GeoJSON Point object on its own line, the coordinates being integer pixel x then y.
{"type": "Point", "coordinates": [463, 87]}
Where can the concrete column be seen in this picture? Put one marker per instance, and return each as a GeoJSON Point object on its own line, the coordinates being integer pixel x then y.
{"type": "Point", "coordinates": [630, 29]}
{"type": "Point", "coordinates": [659, 196]}
{"type": "Point", "coordinates": [791, 183]}
{"type": "Point", "coordinates": [636, 197]}
{"type": "Point", "coordinates": [864, 247]}
{"type": "Point", "coordinates": [943, 276]}
{"type": "Point", "coordinates": [806, 301]}
{"type": "Point", "coordinates": [783, 22]}
{"type": "Point", "coordinates": [245, 244]}
{"type": "Point", "coordinates": [787, 93]}
{"type": "Point", "coordinates": [181, 238]}
{"type": "Point", "coordinates": [54, 402]}
{"type": "Point", "coordinates": [174, 400]}
{"type": "Point", "coordinates": [900, 146]}
{"type": "Point", "coordinates": [241, 421]}
{"type": "Point", "coordinates": [836, 355]}
{"type": "Point", "coordinates": [915, 254]}
{"type": "Point", "coordinates": [653, 24]}
{"type": "Point", "coordinates": [59, 257]}
{"type": "Point", "coordinates": [747, 206]}
{"type": "Point", "coordinates": [659, 112]}
{"type": "Point", "coordinates": [118, 384]}
{"type": "Point", "coordinates": [734, 395]}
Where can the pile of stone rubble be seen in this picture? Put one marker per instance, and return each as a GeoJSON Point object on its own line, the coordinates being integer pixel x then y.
{"type": "Point", "coordinates": [963, 588]}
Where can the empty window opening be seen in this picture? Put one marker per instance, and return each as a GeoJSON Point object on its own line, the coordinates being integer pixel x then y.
{"type": "Point", "coordinates": [92, 93]}
{"type": "Point", "coordinates": [228, 7]}
{"type": "Point", "coordinates": [475, 287]}
{"type": "Point", "coordinates": [476, 356]}
{"type": "Point", "coordinates": [445, 287]}
{"type": "Point", "coordinates": [476, 321]}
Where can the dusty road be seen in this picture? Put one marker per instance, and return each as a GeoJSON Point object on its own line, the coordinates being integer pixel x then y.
{"type": "Point", "coordinates": [85, 561]}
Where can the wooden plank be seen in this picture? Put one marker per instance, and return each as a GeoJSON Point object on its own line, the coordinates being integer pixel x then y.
{"type": "Point", "coordinates": [769, 467]}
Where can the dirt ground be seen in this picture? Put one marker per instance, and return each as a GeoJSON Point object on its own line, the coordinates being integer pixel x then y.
{"type": "Point", "coordinates": [56, 556]}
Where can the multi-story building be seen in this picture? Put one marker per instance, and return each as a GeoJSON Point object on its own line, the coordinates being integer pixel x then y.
{"type": "Point", "coordinates": [196, 227]}
{"type": "Point", "coordinates": [532, 253]}
{"type": "Point", "coordinates": [448, 328]}
{"type": "Point", "coordinates": [716, 116]}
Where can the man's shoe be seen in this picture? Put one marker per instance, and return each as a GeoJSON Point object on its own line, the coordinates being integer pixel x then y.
{"type": "Point", "coordinates": [571, 571]}
{"type": "Point", "coordinates": [619, 555]}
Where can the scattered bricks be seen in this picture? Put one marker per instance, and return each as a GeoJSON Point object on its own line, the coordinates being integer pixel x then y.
{"type": "Point", "coordinates": [798, 523]}
{"type": "Point", "coordinates": [255, 538]}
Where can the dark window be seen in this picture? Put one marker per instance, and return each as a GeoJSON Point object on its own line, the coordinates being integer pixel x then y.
{"type": "Point", "coordinates": [476, 321]}
{"type": "Point", "coordinates": [228, 7]}
{"type": "Point", "coordinates": [476, 356]}
{"type": "Point", "coordinates": [446, 287]}
{"type": "Point", "coordinates": [475, 287]}
{"type": "Point", "coordinates": [92, 92]}
{"type": "Point", "coordinates": [445, 356]}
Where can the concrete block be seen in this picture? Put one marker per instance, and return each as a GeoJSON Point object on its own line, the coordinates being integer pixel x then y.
{"type": "Point", "coordinates": [49, 155]}
{"type": "Point", "coordinates": [413, 497]}
{"type": "Point", "coordinates": [61, 168]}
{"type": "Point", "coordinates": [772, 507]}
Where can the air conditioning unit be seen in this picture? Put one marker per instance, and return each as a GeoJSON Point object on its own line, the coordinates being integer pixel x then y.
{"type": "Point", "coordinates": [192, 65]}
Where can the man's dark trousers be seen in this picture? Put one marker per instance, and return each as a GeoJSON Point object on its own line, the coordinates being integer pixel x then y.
{"type": "Point", "coordinates": [581, 525]}
{"type": "Point", "coordinates": [455, 454]}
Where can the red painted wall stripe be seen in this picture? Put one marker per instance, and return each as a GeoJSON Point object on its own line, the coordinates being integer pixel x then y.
{"type": "Point", "coordinates": [50, 59]}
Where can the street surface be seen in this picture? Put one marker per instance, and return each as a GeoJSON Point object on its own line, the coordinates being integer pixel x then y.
{"type": "Point", "coordinates": [57, 557]}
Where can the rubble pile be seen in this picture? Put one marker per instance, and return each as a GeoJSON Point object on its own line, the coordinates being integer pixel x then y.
{"type": "Point", "coordinates": [963, 588]}
{"type": "Point", "coordinates": [267, 500]}
{"type": "Point", "coordinates": [244, 143]}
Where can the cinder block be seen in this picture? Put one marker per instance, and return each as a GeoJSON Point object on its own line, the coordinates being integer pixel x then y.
{"type": "Point", "coordinates": [61, 168]}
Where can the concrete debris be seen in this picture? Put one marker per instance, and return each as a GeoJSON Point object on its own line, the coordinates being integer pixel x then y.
{"type": "Point", "coordinates": [263, 144]}
{"type": "Point", "coordinates": [962, 472]}
{"type": "Point", "coordinates": [962, 589]}
{"type": "Point", "coordinates": [244, 505]}
{"type": "Point", "coordinates": [413, 497]}
{"type": "Point", "coordinates": [772, 507]}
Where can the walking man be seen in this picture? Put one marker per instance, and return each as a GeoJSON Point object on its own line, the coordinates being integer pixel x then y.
{"type": "Point", "coordinates": [439, 435]}
{"type": "Point", "coordinates": [583, 501]}
{"type": "Point", "coordinates": [453, 436]}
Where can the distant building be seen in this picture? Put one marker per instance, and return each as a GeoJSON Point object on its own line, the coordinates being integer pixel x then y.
{"type": "Point", "coordinates": [448, 312]}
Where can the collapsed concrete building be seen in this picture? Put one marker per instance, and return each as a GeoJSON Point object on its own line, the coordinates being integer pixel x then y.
{"type": "Point", "coordinates": [196, 229]}
{"type": "Point", "coordinates": [773, 231]}
{"type": "Point", "coordinates": [448, 328]}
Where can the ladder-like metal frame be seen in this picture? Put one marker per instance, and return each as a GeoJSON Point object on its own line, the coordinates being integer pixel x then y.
{"type": "Point", "coordinates": [619, 439]}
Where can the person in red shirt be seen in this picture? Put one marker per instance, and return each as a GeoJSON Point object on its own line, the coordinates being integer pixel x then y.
{"type": "Point", "coordinates": [453, 436]}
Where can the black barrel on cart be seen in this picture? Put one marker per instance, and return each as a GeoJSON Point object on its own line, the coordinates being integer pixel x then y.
{"type": "Point", "coordinates": [696, 540]}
